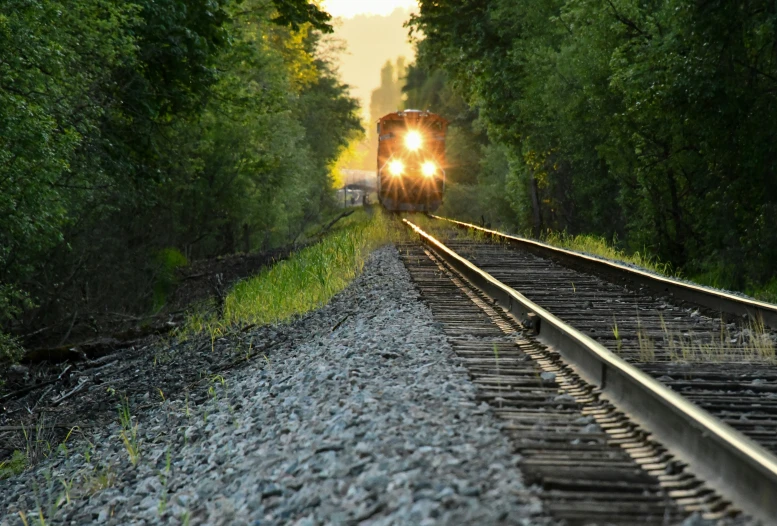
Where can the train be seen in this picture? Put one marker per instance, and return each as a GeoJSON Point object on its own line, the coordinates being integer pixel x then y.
{"type": "Point", "coordinates": [411, 161]}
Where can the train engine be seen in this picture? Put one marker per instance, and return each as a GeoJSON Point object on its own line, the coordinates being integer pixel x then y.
{"type": "Point", "coordinates": [411, 160]}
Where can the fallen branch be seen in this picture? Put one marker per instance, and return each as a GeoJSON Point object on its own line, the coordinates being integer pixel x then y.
{"type": "Point", "coordinates": [24, 391]}
{"type": "Point", "coordinates": [333, 221]}
{"type": "Point", "coordinates": [70, 393]}
{"type": "Point", "coordinates": [46, 426]}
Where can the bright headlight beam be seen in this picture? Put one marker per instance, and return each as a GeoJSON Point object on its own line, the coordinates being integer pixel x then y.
{"type": "Point", "coordinates": [428, 169]}
{"type": "Point", "coordinates": [413, 140]}
{"type": "Point", "coordinates": [396, 167]}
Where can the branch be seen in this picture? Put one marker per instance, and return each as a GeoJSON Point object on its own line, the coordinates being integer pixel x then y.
{"type": "Point", "coordinates": [627, 22]}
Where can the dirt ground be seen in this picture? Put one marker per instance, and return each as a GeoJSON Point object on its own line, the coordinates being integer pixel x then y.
{"type": "Point", "coordinates": [57, 391]}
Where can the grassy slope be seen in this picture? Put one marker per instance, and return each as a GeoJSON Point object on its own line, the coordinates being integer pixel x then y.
{"type": "Point", "coordinates": [305, 281]}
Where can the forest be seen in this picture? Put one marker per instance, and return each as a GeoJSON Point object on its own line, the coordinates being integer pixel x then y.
{"type": "Point", "coordinates": [648, 123]}
{"type": "Point", "coordinates": [137, 135]}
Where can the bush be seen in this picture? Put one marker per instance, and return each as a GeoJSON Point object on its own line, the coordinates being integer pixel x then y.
{"type": "Point", "coordinates": [167, 261]}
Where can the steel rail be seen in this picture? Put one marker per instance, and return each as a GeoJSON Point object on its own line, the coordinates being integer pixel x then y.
{"type": "Point", "coordinates": [714, 300]}
{"type": "Point", "coordinates": [728, 461]}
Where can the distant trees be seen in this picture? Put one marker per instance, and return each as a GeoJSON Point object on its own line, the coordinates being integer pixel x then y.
{"type": "Point", "coordinates": [386, 98]}
{"type": "Point", "coordinates": [128, 128]}
{"type": "Point", "coordinates": [647, 120]}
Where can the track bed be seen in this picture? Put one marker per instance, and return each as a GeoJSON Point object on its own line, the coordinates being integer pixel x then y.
{"type": "Point", "coordinates": [720, 366]}
{"type": "Point", "coordinates": [593, 465]}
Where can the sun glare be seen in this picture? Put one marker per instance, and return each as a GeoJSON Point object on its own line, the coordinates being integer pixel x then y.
{"type": "Point", "coordinates": [352, 8]}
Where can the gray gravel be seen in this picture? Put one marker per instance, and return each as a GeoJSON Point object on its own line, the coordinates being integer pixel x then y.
{"type": "Point", "coordinates": [373, 422]}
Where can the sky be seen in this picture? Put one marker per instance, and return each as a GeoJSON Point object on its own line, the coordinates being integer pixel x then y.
{"type": "Point", "coordinates": [373, 33]}
{"type": "Point", "coordinates": [351, 8]}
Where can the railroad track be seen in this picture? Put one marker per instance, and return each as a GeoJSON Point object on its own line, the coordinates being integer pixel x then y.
{"type": "Point", "coordinates": [607, 443]}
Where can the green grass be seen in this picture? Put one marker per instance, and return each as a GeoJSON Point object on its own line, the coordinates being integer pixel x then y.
{"type": "Point", "coordinates": [725, 279]}
{"type": "Point", "coordinates": [305, 281]}
{"type": "Point", "coordinates": [599, 246]}
{"type": "Point", "coordinates": [767, 292]}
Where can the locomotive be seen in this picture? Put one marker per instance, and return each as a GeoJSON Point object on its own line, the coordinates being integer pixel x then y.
{"type": "Point", "coordinates": [411, 160]}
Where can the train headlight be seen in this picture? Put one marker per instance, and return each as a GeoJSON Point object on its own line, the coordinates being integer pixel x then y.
{"type": "Point", "coordinates": [429, 168]}
{"type": "Point", "coordinates": [396, 167]}
{"type": "Point", "coordinates": [413, 140]}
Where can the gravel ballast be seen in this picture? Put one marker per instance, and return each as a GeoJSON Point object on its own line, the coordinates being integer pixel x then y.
{"type": "Point", "coordinates": [366, 419]}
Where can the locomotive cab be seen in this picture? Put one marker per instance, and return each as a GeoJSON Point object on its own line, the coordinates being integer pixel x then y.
{"type": "Point", "coordinates": [411, 160]}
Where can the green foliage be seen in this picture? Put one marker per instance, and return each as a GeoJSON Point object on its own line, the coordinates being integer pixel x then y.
{"type": "Point", "coordinates": [10, 349]}
{"type": "Point", "coordinates": [295, 13]}
{"type": "Point", "coordinates": [168, 261]}
{"type": "Point", "coordinates": [132, 127]}
{"type": "Point", "coordinates": [13, 466]}
{"type": "Point", "coordinates": [642, 119]}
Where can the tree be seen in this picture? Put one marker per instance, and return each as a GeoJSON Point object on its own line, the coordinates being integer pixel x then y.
{"type": "Point", "coordinates": [140, 128]}
{"type": "Point", "coordinates": [641, 119]}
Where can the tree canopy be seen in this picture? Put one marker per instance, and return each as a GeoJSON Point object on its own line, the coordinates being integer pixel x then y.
{"type": "Point", "coordinates": [130, 128]}
{"type": "Point", "coordinates": [646, 120]}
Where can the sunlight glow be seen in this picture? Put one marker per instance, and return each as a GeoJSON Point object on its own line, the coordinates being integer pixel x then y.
{"type": "Point", "coordinates": [352, 8]}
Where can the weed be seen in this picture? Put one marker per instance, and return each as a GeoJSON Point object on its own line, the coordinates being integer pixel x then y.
{"type": "Point", "coordinates": [751, 343]}
{"type": "Point", "coordinates": [67, 485]}
{"type": "Point", "coordinates": [164, 357]}
{"type": "Point", "coordinates": [88, 452]}
{"type": "Point", "coordinates": [616, 333]}
{"type": "Point", "coordinates": [250, 348]}
{"type": "Point", "coordinates": [98, 479]}
{"type": "Point", "coordinates": [40, 518]}
{"type": "Point", "coordinates": [164, 477]}
{"type": "Point", "coordinates": [37, 441]}
{"type": "Point", "coordinates": [52, 501]}
{"type": "Point", "coordinates": [129, 432]}
{"type": "Point", "coordinates": [215, 333]}
{"type": "Point", "coordinates": [647, 348]}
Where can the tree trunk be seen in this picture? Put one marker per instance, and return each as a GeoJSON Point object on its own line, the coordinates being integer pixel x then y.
{"type": "Point", "coordinates": [246, 238]}
{"type": "Point", "coordinates": [535, 205]}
